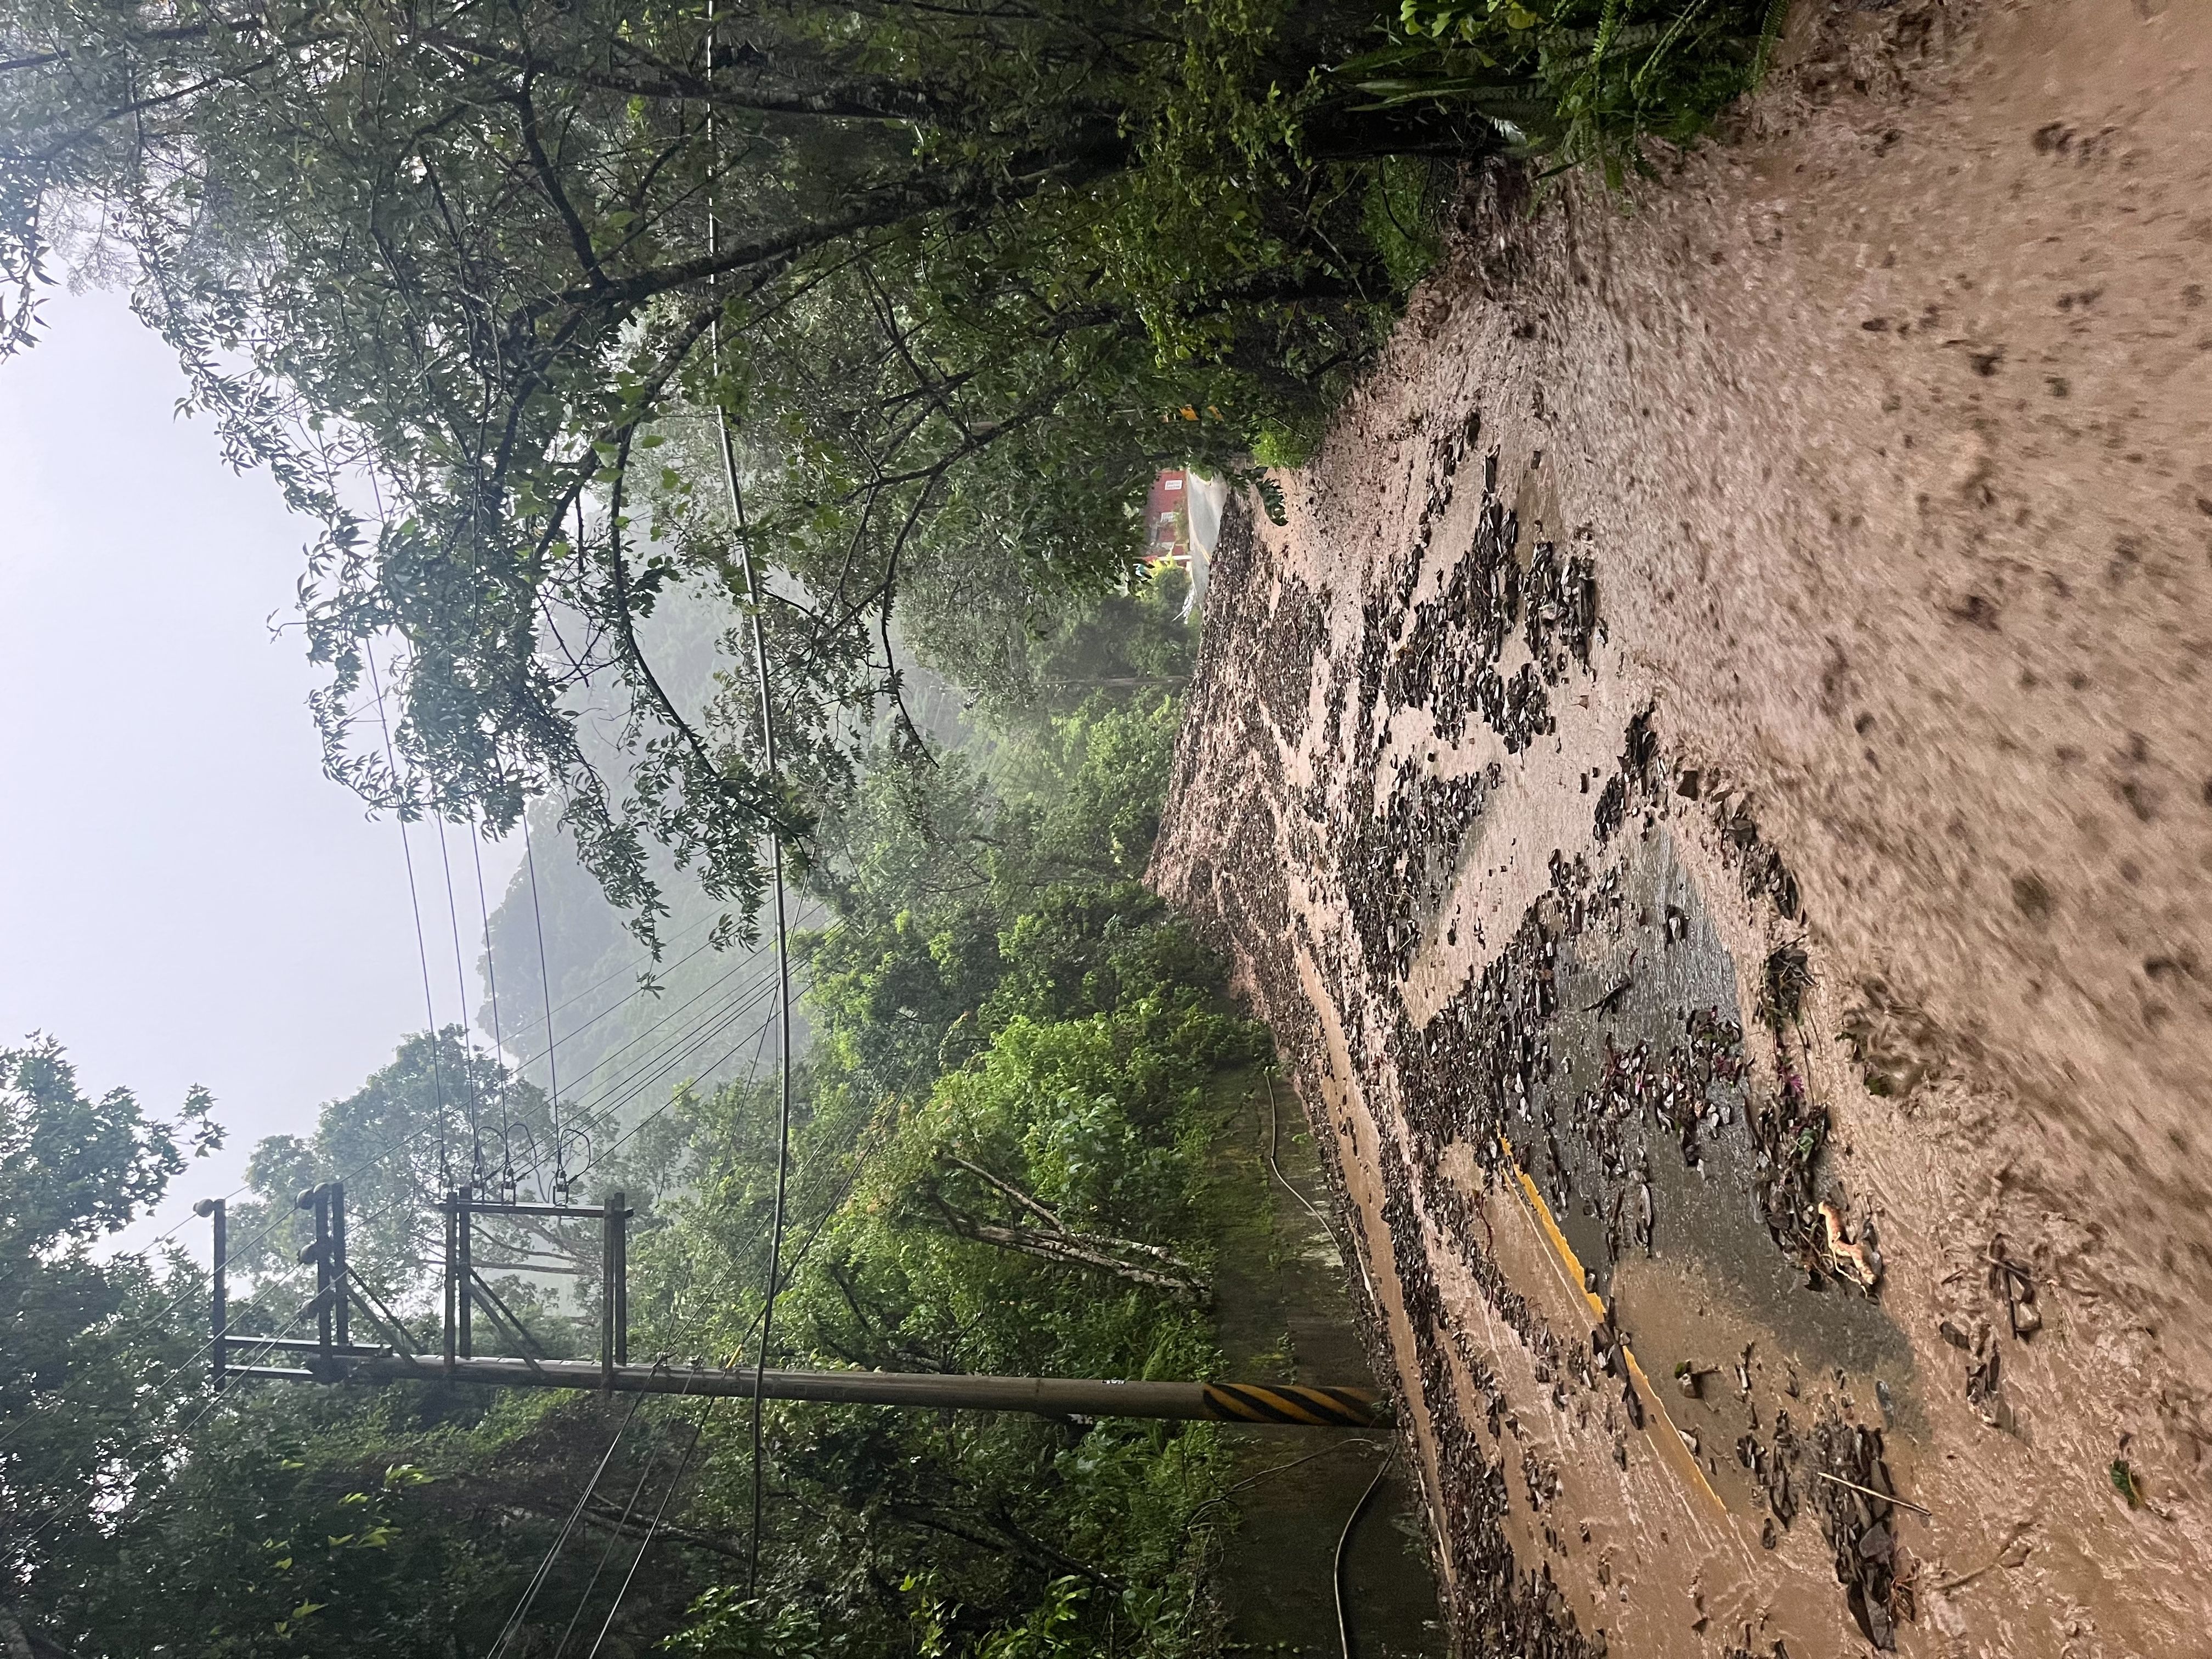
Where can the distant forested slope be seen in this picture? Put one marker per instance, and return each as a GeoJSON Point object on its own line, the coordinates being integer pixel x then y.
{"type": "Point", "coordinates": [625, 1026]}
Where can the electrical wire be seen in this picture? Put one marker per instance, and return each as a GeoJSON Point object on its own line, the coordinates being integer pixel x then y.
{"type": "Point", "coordinates": [640, 1072]}
{"type": "Point", "coordinates": [782, 949]}
{"type": "Point", "coordinates": [706, 1412]}
{"type": "Point", "coordinates": [1353, 1257]}
{"type": "Point", "coordinates": [1336, 1569]}
{"type": "Point", "coordinates": [170, 1232]}
{"type": "Point", "coordinates": [514, 1620]}
{"type": "Point", "coordinates": [709, 1409]}
{"type": "Point", "coordinates": [468, 1029]}
{"type": "Point", "coordinates": [605, 980]}
{"type": "Point", "coordinates": [799, 1260]}
{"type": "Point", "coordinates": [562, 1184]}
{"type": "Point", "coordinates": [628, 1085]}
{"type": "Point", "coordinates": [776, 844]}
{"type": "Point", "coordinates": [507, 1185]}
{"type": "Point", "coordinates": [628, 1509]}
{"type": "Point", "coordinates": [545, 985]}
{"type": "Point", "coordinates": [414, 903]}
{"type": "Point", "coordinates": [698, 1428]}
{"type": "Point", "coordinates": [736, 969]}
{"type": "Point", "coordinates": [758, 1032]}
{"type": "Point", "coordinates": [619, 1094]}
{"type": "Point", "coordinates": [616, 1096]}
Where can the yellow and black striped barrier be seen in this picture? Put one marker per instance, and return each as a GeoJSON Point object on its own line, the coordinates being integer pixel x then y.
{"type": "Point", "coordinates": [1317, 1408]}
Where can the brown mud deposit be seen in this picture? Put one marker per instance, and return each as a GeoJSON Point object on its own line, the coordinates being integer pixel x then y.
{"type": "Point", "coordinates": [1713, 791]}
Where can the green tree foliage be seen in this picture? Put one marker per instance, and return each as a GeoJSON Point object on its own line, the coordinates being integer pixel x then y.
{"type": "Point", "coordinates": [1021, 651]}
{"type": "Point", "coordinates": [441, 1114]}
{"type": "Point", "coordinates": [80, 1334]}
{"type": "Point", "coordinates": [1001, 1165]}
{"type": "Point", "coordinates": [1581, 82]}
{"type": "Point", "coordinates": [285, 1532]}
{"type": "Point", "coordinates": [946, 887]}
{"type": "Point", "coordinates": [1014, 1082]}
{"type": "Point", "coordinates": [141, 1514]}
{"type": "Point", "coordinates": [961, 275]}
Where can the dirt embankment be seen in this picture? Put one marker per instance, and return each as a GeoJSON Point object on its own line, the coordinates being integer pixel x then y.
{"type": "Point", "coordinates": [1726, 733]}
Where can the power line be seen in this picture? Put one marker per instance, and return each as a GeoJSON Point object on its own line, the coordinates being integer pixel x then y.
{"type": "Point", "coordinates": [1336, 1567]}
{"type": "Point", "coordinates": [562, 1182]}
{"type": "Point", "coordinates": [627, 1088]}
{"type": "Point", "coordinates": [598, 1113]}
{"type": "Point", "coordinates": [498, 1040]}
{"type": "Point", "coordinates": [708, 1411]}
{"type": "Point", "coordinates": [698, 1428]}
{"type": "Point", "coordinates": [782, 941]}
{"type": "Point", "coordinates": [738, 968]}
{"type": "Point", "coordinates": [607, 1554]}
{"type": "Point", "coordinates": [697, 1038]}
{"type": "Point", "coordinates": [282, 1217]}
{"type": "Point", "coordinates": [414, 903]}
{"type": "Point", "coordinates": [776, 846]}
{"type": "Point", "coordinates": [545, 985]}
{"type": "Point", "coordinates": [618, 1094]}
{"type": "Point", "coordinates": [468, 1029]}
{"type": "Point", "coordinates": [759, 1030]}
{"type": "Point", "coordinates": [643, 961]}
{"type": "Point", "coordinates": [170, 1232]}
{"type": "Point", "coordinates": [591, 1114]}
{"type": "Point", "coordinates": [544, 1567]}
{"type": "Point", "coordinates": [709, 1408]}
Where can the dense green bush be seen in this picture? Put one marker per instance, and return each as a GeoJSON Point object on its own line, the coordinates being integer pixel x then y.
{"type": "Point", "coordinates": [1018, 1066]}
{"type": "Point", "coordinates": [1578, 83]}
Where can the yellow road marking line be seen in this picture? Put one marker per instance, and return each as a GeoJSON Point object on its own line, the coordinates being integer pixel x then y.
{"type": "Point", "coordinates": [1672, 1447]}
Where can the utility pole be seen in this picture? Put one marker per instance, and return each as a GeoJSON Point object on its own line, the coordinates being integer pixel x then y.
{"type": "Point", "coordinates": [218, 1289]}
{"type": "Point", "coordinates": [332, 1357]}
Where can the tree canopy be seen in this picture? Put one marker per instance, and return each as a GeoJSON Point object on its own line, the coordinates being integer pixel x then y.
{"type": "Point", "coordinates": [1005, 1161]}
{"type": "Point", "coordinates": [81, 1337]}
{"type": "Point", "coordinates": [480, 284]}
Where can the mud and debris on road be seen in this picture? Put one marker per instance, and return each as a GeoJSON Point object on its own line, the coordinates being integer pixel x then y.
{"type": "Point", "coordinates": [1774, 1159]}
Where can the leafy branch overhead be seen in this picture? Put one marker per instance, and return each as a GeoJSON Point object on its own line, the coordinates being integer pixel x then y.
{"type": "Point", "coordinates": [953, 271]}
{"type": "Point", "coordinates": [1575, 82]}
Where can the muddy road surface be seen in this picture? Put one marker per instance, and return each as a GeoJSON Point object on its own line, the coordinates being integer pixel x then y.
{"type": "Point", "coordinates": [1712, 789]}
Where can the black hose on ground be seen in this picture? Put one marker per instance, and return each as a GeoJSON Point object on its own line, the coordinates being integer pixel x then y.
{"type": "Point", "coordinates": [1343, 1628]}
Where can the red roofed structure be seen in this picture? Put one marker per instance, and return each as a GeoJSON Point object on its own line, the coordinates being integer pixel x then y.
{"type": "Point", "coordinates": [1167, 520]}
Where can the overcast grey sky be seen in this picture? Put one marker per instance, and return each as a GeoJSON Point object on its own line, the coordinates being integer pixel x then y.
{"type": "Point", "coordinates": [184, 897]}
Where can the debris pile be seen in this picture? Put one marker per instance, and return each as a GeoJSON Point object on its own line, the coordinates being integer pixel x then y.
{"type": "Point", "coordinates": [1598, 1049]}
{"type": "Point", "coordinates": [1856, 1506]}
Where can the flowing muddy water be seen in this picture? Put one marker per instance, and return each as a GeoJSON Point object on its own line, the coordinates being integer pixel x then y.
{"type": "Point", "coordinates": [1713, 790]}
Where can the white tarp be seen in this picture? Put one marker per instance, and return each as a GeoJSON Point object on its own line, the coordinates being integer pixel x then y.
{"type": "Point", "coordinates": [1204, 505]}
